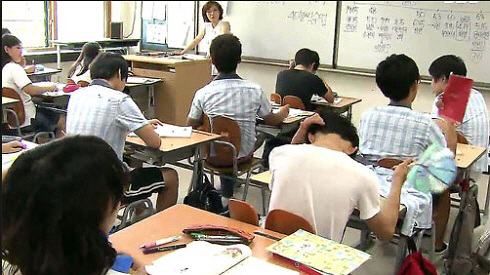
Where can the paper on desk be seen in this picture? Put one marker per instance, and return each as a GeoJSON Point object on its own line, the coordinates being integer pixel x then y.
{"type": "Point", "coordinates": [141, 80]}
{"type": "Point", "coordinates": [253, 265]}
{"type": "Point", "coordinates": [294, 112]}
{"type": "Point", "coordinates": [316, 98]}
{"type": "Point", "coordinates": [168, 130]}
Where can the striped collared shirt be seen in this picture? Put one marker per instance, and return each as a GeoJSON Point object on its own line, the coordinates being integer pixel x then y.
{"type": "Point", "coordinates": [239, 99]}
{"type": "Point", "coordinates": [397, 131]}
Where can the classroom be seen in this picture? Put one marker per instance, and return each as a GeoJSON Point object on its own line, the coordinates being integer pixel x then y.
{"type": "Point", "coordinates": [155, 137]}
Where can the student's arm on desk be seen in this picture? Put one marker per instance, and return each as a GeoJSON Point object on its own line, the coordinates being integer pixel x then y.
{"type": "Point", "coordinates": [383, 224]}
{"type": "Point", "coordinates": [194, 123]}
{"type": "Point", "coordinates": [275, 119]}
{"type": "Point", "coordinates": [31, 89]}
{"type": "Point", "coordinates": [329, 96]}
{"type": "Point", "coordinates": [148, 135]}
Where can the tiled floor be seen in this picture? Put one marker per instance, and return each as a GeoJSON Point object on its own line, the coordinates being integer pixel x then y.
{"type": "Point", "coordinates": [383, 253]}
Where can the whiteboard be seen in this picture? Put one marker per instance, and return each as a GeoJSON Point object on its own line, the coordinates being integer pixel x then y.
{"type": "Point", "coordinates": [276, 30]}
{"type": "Point", "coordinates": [422, 30]}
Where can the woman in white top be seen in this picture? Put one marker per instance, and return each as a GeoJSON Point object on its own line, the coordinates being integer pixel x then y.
{"type": "Point", "coordinates": [212, 14]}
{"type": "Point", "coordinates": [80, 70]}
{"type": "Point", "coordinates": [14, 77]}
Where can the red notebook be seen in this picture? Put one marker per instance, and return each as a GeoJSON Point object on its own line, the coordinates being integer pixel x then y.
{"type": "Point", "coordinates": [455, 98]}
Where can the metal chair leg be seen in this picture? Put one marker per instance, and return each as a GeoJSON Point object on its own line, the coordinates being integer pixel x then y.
{"type": "Point", "coordinates": [401, 253]}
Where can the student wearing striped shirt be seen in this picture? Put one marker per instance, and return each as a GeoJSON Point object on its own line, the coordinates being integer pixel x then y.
{"type": "Point", "coordinates": [398, 131]}
{"type": "Point", "coordinates": [475, 121]}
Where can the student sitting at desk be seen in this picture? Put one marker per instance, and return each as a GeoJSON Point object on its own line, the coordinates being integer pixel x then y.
{"type": "Point", "coordinates": [306, 176]}
{"type": "Point", "coordinates": [12, 146]}
{"type": "Point", "coordinates": [102, 110]}
{"type": "Point", "coordinates": [59, 202]}
{"type": "Point", "coordinates": [230, 95]}
{"type": "Point", "coordinates": [80, 70]}
{"type": "Point", "coordinates": [398, 131]}
{"type": "Point", "coordinates": [14, 77]}
{"type": "Point", "coordinates": [475, 121]}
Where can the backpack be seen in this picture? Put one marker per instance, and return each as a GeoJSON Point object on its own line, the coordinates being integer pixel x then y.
{"type": "Point", "coordinates": [460, 260]}
{"type": "Point", "coordinates": [414, 263]}
{"type": "Point", "coordinates": [204, 196]}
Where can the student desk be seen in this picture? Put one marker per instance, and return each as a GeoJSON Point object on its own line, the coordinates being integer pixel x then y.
{"type": "Point", "coordinates": [9, 158]}
{"type": "Point", "coordinates": [182, 79]}
{"type": "Point", "coordinates": [172, 150]}
{"type": "Point", "coordinates": [136, 82]}
{"type": "Point", "coordinates": [44, 75]}
{"type": "Point", "coordinates": [289, 124]}
{"type": "Point", "coordinates": [172, 221]}
{"type": "Point", "coordinates": [345, 105]}
{"type": "Point", "coordinates": [106, 43]}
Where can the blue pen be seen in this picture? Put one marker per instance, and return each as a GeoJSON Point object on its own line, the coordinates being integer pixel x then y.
{"type": "Point", "coordinates": [24, 146]}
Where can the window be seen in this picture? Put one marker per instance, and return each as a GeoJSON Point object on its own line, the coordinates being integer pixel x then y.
{"type": "Point", "coordinates": [80, 20]}
{"type": "Point", "coordinates": [27, 21]}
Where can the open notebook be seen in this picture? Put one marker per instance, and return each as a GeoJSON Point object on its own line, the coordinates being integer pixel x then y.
{"type": "Point", "coordinates": [203, 258]}
{"type": "Point", "coordinates": [168, 130]}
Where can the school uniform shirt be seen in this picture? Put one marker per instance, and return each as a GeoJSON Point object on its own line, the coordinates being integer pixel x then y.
{"type": "Point", "coordinates": [474, 125]}
{"type": "Point", "coordinates": [83, 77]}
{"type": "Point", "coordinates": [14, 77]}
{"type": "Point", "coordinates": [396, 131]}
{"type": "Point", "coordinates": [323, 186]}
{"type": "Point", "coordinates": [101, 111]}
{"type": "Point", "coordinates": [239, 99]}
{"type": "Point", "coordinates": [302, 84]}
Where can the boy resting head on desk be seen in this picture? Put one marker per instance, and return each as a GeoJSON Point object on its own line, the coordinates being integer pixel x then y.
{"type": "Point", "coordinates": [59, 201]}
{"type": "Point", "coordinates": [317, 178]}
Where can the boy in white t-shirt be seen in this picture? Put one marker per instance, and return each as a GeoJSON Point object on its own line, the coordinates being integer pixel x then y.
{"type": "Point", "coordinates": [322, 183]}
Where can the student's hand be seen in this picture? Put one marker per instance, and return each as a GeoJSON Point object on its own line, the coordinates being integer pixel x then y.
{"type": "Point", "coordinates": [401, 171]}
{"type": "Point", "coordinates": [154, 122]}
{"type": "Point", "coordinates": [177, 53]}
{"type": "Point", "coordinates": [302, 134]}
{"type": "Point", "coordinates": [12, 146]}
{"type": "Point", "coordinates": [284, 110]}
{"type": "Point", "coordinates": [292, 64]}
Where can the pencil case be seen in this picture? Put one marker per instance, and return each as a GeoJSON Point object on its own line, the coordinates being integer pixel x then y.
{"type": "Point", "coordinates": [216, 230]}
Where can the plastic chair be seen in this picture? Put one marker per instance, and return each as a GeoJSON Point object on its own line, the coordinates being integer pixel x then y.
{"type": "Point", "coordinates": [16, 117]}
{"type": "Point", "coordinates": [388, 162]}
{"type": "Point", "coordinates": [242, 211]}
{"type": "Point", "coordinates": [276, 98]}
{"type": "Point", "coordinates": [129, 215]}
{"type": "Point", "coordinates": [225, 159]}
{"type": "Point", "coordinates": [294, 102]}
{"type": "Point", "coordinates": [286, 222]}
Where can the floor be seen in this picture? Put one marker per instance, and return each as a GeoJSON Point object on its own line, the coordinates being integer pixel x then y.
{"type": "Point", "coordinates": [383, 253]}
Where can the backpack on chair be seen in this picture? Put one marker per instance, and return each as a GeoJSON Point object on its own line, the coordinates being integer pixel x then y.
{"type": "Point", "coordinates": [415, 263]}
{"type": "Point", "coordinates": [204, 196]}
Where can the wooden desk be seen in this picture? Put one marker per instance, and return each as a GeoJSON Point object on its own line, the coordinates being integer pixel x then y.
{"type": "Point", "coordinates": [172, 221]}
{"type": "Point", "coordinates": [289, 124]}
{"type": "Point", "coordinates": [182, 79]}
{"type": "Point", "coordinates": [44, 75]}
{"type": "Point", "coordinates": [345, 105]}
{"type": "Point", "coordinates": [466, 155]}
{"type": "Point", "coordinates": [9, 158]}
{"type": "Point", "coordinates": [106, 43]}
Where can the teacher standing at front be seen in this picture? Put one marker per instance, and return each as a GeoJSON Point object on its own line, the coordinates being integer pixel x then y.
{"type": "Point", "coordinates": [212, 14]}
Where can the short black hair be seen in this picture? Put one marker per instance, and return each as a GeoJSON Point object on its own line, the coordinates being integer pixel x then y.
{"type": "Point", "coordinates": [306, 57]}
{"type": "Point", "coordinates": [107, 65]}
{"type": "Point", "coordinates": [395, 75]}
{"type": "Point", "coordinates": [337, 124]}
{"type": "Point", "coordinates": [10, 41]}
{"type": "Point", "coordinates": [55, 198]}
{"type": "Point", "coordinates": [207, 6]}
{"type": "Point", "coordinates": [226, 52]}
{"type": "Point", "coordinates": [445, 65]}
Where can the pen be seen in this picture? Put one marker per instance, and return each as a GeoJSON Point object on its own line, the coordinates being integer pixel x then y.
{"type": "Point", "coordinates": [161, 242]}
{"type": "Point", "coordinates": [163, 248]}
{"type": "Point", "coordinates": [267, 235]}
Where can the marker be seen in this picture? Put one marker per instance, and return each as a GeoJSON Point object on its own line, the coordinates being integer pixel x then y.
{"type": "Point", "coordinates": [161, 242]}
{"type": "Point", "coordinates": [163, 248]}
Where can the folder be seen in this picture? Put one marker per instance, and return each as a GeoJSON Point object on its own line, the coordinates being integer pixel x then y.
{"type": "Point", "coordinates": [455, 98]}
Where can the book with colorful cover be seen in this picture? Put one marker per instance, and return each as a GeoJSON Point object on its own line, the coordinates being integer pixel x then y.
{"type": "Point", "coordinates": [321, 255]}
{"type": "Point", "coordinates": [455, 98]}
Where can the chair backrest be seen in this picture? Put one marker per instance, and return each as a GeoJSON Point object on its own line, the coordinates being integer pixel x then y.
{"type": "Point", "coordinates": [294, 102]}
{"type": "Point", "coordinates": [18, 107]}
{"type": "Point", "coordinates": [388, 162]}
{"type": "Point", "coordinates": [136, 211]}
{"type": "Point", "coordinates": [286, 222]}
{"type": "Point", "coordinates": [70, 81]}
{"type": "Point", "coordinates": [230, 132]}
{"type": "Point", "coordinates": [82, 83]}
{"type": "Point", "coordinates": [461, 138]}
{"type": "Point", "coordinates": [276, 98]}
{"type": "Point", "coordinates": [242, 211]}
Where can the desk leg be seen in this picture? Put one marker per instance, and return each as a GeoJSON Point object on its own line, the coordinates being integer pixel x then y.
{"type": "Point", "coordinates": [195, 170]}
{"type": "Point", "coordinates": [151, 99]}
{"type": "Point", "coordinates": [349, 113]}
{"type": "Point", "coordinates": [401, 252]}
{"type": "Point", "coordinates": [487, 197]}
{"type": "Point", "coordinates": [58, 56]}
